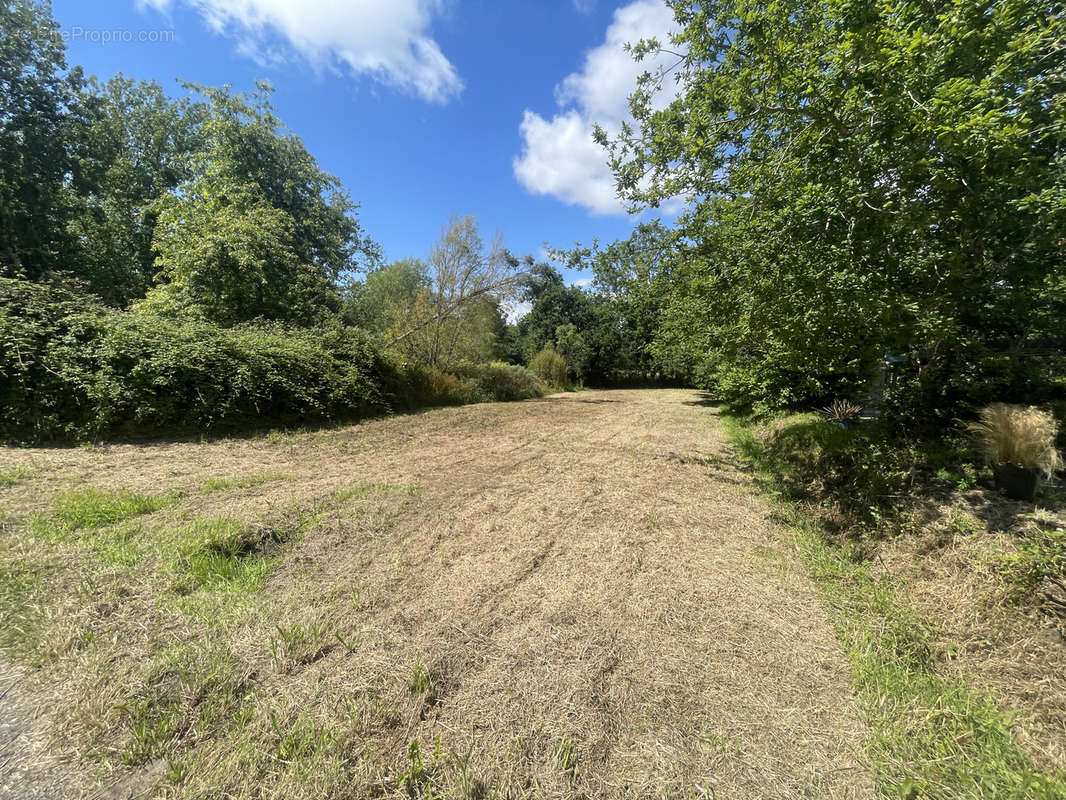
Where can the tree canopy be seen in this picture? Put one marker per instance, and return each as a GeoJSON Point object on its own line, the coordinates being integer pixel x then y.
{"type": "Point", "coordinates": [39, 117]}
{"type": "Point", "coordinates": [863, 178]}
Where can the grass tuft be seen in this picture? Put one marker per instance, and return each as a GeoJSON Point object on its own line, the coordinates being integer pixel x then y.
{"type": "Point", "coordinates": [10, 477]}
{"type": "Point", "coordinates": [216, 485]}
{"type": "Point", "coordinates": [1020, 435]}
{"type": "Point", "coordinates": [96, 508]}
{"type": "Point", "coordinates": [298, 644]}
{"type": "Point", "coordinates": [422, 680]}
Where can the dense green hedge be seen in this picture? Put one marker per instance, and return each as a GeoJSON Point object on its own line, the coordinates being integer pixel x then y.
{"type": "Point", "coordinates": [72, 369]}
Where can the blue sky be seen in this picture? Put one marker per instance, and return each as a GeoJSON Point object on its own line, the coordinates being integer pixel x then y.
{"type": "Point", "coordinates": [423, 108]}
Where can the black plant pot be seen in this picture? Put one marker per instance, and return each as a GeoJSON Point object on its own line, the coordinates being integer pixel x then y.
{"type": "Point", "coordinates": [1016, 482]}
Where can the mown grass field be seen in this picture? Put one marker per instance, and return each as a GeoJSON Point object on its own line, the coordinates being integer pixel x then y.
{"type": "Point", "coordinates": [583, 595]}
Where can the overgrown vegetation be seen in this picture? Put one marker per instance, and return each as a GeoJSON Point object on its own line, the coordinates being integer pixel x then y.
{"type": "Point", "coordinates": [932, 736]}
{"type": "Point", "coordinates": [550, 367]}
{"type": "Point", "coordinates": [868, 474]}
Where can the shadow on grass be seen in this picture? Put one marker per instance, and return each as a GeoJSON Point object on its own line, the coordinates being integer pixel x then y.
{"type": "Point", "coordinates": [704, 400]}
{"type": "Point", "coordinates": [293, 426]}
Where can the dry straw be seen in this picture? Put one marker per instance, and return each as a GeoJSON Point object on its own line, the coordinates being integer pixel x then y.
{"type": "Point", "coordinates": [1019, 435]}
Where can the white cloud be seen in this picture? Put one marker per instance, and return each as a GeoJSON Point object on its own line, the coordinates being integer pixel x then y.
{"type": "Point", "coordinates": [386, 39]}
{"type": "Point", "coordinates": [559, 157]}
{"type": "Point", "coordinates": [515, 311]}
{"type": "Point", "coordinates": [584, 6]}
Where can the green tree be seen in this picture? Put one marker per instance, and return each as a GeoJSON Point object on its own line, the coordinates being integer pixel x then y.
{"type": "Point", "coordinates": [539, 280]}
{"type": "Point", "coordinates": [635, 283]}
{"type": "Point", "coordinates": [571, 345]}
{"type": "Point", "coordinates": [457, 316]}
{"type": "Point", "coordinates": [552, 304]}
{"type": "Point", "coordinates": [227, 254]}
{"type": "Point", "coordinates": [260, 230]}
{"type": "Point", "coordinates": [601, 341]}
{"type": "Point", "coordinates": [385, 294]}
{"type": "Point", "coordinates": [865, 178]}
{"type": "Point", "coordinates": [38, 113]}
{"type": "Point", "coordinates": [137, 146]}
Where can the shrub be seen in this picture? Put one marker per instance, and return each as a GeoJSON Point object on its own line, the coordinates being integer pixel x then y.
{"type": "Point", "coordinates": [550, 367]}
{"type": "Point", "coordinates": [1020, 435]}
{"type": "Point", "coordinates": [499, 382]}
{"type": "Point", "coordinates": [72, 369]}
{"type": "Point", "coordinates": [445, 389]}
{"type": "Point", "coordinates": [868, 474]}
{"type": "Point", "coordinates": [855, 469]}
{"type": "Point", "coordinates": [410, 385]}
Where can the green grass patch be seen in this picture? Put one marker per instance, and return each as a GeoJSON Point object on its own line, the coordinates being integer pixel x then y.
{"type": "Point", "coordinates": [10, 477]}
{"type": "Point", "coordinates": [298, 643]}
{"type": "Point", "coordinates": [218, 571]}
{"type": "Point", "coordinates": [931, 737]}
{"type": "Point", "coordinates": [193, 685]}
{"type": "Point", "coordinates": [222, 553]}
{"type": "Point", "coordinates": [153, 726]}
{"type": "Point", "coordinates": [96, 508]}
{"type": "Point", "coordinates": [216, 485]}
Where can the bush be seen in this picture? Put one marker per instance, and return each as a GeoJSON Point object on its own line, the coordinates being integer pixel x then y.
{"type": "Point", "coordinates": [550, 367]}
{"type": "Point", "coordinates": [411, 385]}
{"type": "Point", "coordinates": [855, 469]}
{"type": "Point", "coordinates": [499, 382]}
{"type": "Point", "coordinates": [869, 474]}
{"type": "Point", "coordinates": [72, 369]}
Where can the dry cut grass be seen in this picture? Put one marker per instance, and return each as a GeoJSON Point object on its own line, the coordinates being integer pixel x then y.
{"type": "Point", "coordinates": [577, 596]}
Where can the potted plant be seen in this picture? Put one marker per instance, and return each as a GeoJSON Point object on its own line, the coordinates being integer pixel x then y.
{"type": "Point", "coordinates": [1019, 443]}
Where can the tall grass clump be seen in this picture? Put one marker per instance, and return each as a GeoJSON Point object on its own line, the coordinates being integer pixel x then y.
{"type": "Point", "coordinates": [1020, 435]}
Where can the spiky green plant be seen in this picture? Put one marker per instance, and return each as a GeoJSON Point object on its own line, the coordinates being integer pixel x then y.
{"type": "Point", "coordinates": [842, 410]}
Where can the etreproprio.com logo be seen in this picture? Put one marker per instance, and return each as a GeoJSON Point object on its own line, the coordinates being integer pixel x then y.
{"type": "Point", "coordinates": [77, 33]}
